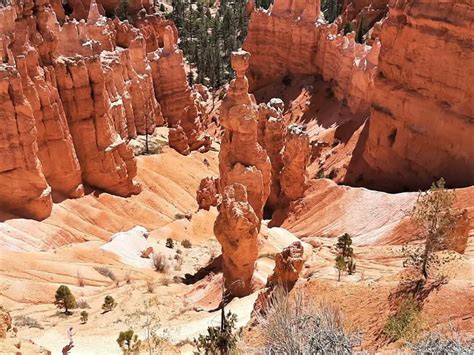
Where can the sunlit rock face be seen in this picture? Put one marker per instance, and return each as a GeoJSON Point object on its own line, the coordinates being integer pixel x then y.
{"type": "Point", "coordinates": [75, 92]}
{"type": "Point", "coordinates": [422, 129]}
{"type": "Point", "coordinates": [293, 38]}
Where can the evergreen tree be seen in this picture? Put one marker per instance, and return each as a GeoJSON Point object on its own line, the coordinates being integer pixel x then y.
{"type": "Point", "coordinates": [344, 259]}
{"type": "Point", "coordinates": [65, 299]}
{"type": "Point", "coordinates": [122, 10]}
{"type": "Point", "coordinates": [109, 304]}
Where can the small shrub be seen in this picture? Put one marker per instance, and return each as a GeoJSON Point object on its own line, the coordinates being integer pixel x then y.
{"type": "Point", "coordinates": [65, 299]}
{"type": "Point", "coordinates": [25, 321]}
{"type": "Point", "coordinates": [150, 286]}
{"type": "Point", "coordinates": [169, 243]}
{"type": "Point", "coordinates": [105, 272]}
{"type": "Point", "coordinates": [109, 304]}
{"type": "Point", "coordinates": [219, 340]}
{"type": "Point", "coordinates": [128, 342]}
{"type": "Point", "coordinates": [406, 323]}
{"type": "Point", "coordinates": [82, 304]}
{"type": "Point", "coordinates": [159, 262]}
{"type": "Point", "coordinates": [186, 243]}
{"type": "Point", "coordinates": [179, 262]}
{"type": "Point", "coordinates": [434, 343]}
{"type": "Point", "coordinates": [162, 8]}
{"type": "Point", "coordinates": [165, 281]}
{"type": "Point", "coordinates": [84, 317]}
{"type": "Point", "coordinates": [288, 327]}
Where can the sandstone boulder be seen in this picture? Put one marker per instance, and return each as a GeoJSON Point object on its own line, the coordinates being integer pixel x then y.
{"type": "Point", "coordinates": [208, 193]}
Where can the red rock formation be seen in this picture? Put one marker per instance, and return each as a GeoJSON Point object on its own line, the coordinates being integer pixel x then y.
{"type": "Point", "coordinates": [208, 193]}
{"type": "Point", "coordinates": [421, 123]}
{"type": "Point", "coordinates": [23, 186]}
{"type": "Point", "coordinates": [79, 91]}
{"type": "Point", "coordinates": [236, 229]}
{"type": "Point", "coordinates": [281, 43]}
{"type": "Point", "coordinates": [362, 14]}
{"type": "Point", "coordinates": [242, 159]}
{"type": "Point", "coordinates": [272, 136]}
{"type": "Point", "coordinates": [106, 160]}
{"type": "Point", "coordinates": [295, 159]}
{"type": "Point", "coordinates": [174, 94]}
{"type": "Point", "coordinates": [288, 266]}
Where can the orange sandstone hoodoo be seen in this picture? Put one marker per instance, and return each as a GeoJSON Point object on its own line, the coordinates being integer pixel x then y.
{"type": "Point", "coordinates": [242, 159]}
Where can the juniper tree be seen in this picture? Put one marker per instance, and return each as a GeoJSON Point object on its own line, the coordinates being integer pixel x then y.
{"type": "Point", "coordinates": [65, 299]}
{"type": "Point", "coordinates": [109, 304]}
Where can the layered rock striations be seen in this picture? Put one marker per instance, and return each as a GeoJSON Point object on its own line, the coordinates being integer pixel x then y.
{"type": "Point", "coordinates": [23, 186]}
{"type": "Point", "coordinates": [74, 93]}
{"type": "Point", "coordinates": [285, 40]}
{"type": "Point", "coordinates": [422, 114]}
{"type": "Point", "coordinates": [236, 228]}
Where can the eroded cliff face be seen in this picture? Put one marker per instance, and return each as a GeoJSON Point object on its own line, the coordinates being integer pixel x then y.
{"type": "Point", "coordinates": [422, 113]}
{"type": "Point", "coordinates": [74, 94]}
{"type": "Point", "coordinates": [291, 38]}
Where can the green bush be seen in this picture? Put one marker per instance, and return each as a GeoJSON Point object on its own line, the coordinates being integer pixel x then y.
{"type": "Point", "coordinates": [406, 323]}
{"type": "Point", "coordinates": [109, 304]}
{"type": "Point", "coordinates": [84, 317]}
{"type": "Point", "coordinates": [128, 342]}
{"type": "Point", "coordinates": [219, 340]}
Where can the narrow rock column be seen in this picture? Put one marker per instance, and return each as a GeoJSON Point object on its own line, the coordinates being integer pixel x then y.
{"type": "Point", "coordinates": [236, 229]}
{"type": "Point", "coordinates": [295, 160]}
{"type": "Point", "coordinates": [242, 159]}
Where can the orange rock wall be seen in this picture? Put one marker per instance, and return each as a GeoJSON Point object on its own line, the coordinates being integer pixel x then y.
{"type": "Point", "coordinates": [422, 114]}
{"type": "Point", "coordinates": [72, 97]}
{"type": "Point", "coordinates": [283, 43]}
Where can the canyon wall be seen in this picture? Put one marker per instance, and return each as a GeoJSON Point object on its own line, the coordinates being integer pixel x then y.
{"type": "Point", "coordinates": [422, 113]}
{"type": "Point", "coordinates": [73, 94]}
{"type": "Point", "coordinates": [284, 40]}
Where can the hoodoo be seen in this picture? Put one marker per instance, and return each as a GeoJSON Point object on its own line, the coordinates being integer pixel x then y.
{"type": "Point", "coordinates": [79, 91]}
{"type": "Point", "coordinates": [242, 159]}
{"type": "Point", "coordinates": [236, 228]}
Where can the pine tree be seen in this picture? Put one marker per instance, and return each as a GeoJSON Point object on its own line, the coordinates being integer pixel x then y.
{"type": "Point", "coordinates": [109, 304]}
{"type": "Point", "coordinates": [65, 299]}
{"type": "Point", "coordinates": [344, 259]}
{"type": "Point", "coordinates": [122, 10]}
